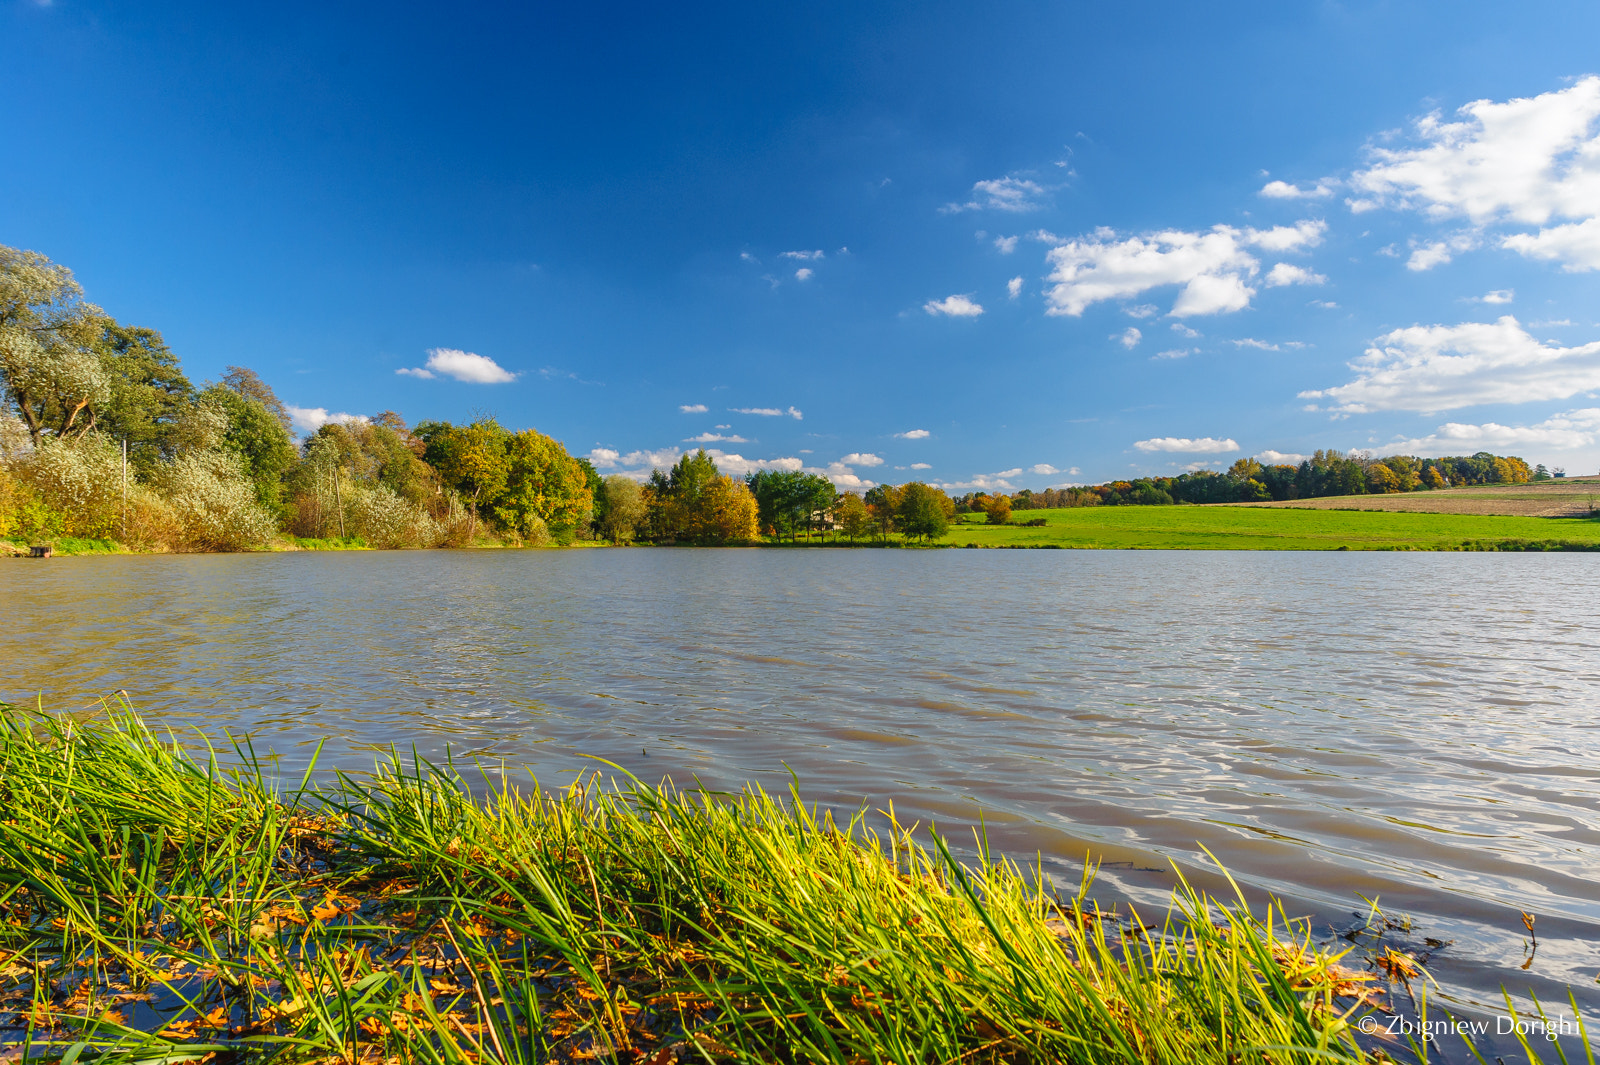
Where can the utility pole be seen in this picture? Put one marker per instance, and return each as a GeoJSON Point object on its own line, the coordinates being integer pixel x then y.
{"type": "Point", "coordinates": [338, 500]}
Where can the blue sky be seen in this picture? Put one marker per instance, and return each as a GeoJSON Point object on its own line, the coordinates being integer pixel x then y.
{"type": "Point", "coordinates": [1022, 244]}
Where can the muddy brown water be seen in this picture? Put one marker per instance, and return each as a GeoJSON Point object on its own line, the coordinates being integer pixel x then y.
{"type": "Point", "coordinates": [1419, 729]}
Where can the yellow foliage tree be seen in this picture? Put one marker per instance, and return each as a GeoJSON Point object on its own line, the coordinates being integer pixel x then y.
{"type": "Point", "coordinates": [725, 513]}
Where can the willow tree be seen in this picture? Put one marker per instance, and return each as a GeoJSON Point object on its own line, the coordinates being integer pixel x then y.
{"type": "Point", "coordinates": [52, 371]}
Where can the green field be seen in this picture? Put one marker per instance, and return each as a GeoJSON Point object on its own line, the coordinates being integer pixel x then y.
{"type": "Point", "coordinates": [1250, 529]}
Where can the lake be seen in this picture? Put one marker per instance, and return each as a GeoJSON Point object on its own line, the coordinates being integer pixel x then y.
{"type": "Point", "coordinates": [1423, 729]}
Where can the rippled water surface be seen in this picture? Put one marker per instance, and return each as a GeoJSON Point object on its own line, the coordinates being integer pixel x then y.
{"type": "Point", "coordinates": [1421, 728]}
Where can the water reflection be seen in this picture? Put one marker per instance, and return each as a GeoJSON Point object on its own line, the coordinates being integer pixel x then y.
{"type": "Point", "coordinates": [1420, 728]}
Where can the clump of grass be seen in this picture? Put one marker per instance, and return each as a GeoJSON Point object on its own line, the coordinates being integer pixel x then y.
{"type": "Point", "coordinates": [164, 906]}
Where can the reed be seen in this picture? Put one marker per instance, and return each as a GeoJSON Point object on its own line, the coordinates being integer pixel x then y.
{"type": "Point", "coordinates": [161, 905]}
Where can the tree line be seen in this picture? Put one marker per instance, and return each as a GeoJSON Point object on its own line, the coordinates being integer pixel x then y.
{"type": "Point", "coordinates": [103, 437]}
{"type": "Point", "coordinates": [1326, 473]}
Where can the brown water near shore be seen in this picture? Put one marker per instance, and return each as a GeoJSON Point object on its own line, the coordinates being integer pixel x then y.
{"type": "Point", "coordinates": [1422, 729]}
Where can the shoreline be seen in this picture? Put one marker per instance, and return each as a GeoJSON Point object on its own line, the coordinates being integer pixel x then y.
{"type": "Point", "coordinates": [393, 913]}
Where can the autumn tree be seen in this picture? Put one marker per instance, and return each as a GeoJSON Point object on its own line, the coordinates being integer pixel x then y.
{"type": "Point", "coordinates": [883, 503]}
{"type": "Point", "coordinates": [470, 459]}
{"type": "Point", "coordinates": [725, 513]}
{"type": "Point", "coordinates": [852, 514]}
{"type": "Point", "coordinates": [998, 509]}
{"type": "Point", "coordinates": [545, 489]}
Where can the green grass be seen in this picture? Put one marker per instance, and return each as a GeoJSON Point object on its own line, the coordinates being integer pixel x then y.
{"type": "Point", "coordinates": [72, 545]}
{"type": "Point", "coordinates": [330, 543]}
{"type": "Point", "coordinates": [1263, 529]}
{"type": "Point", "coordinates": [158, 907]}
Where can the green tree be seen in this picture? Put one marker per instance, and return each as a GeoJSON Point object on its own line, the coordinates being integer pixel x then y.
{"type": "Point", "coordinates": [148, 393]}
{"type": "Point", "coordinates": [789, 500]}
{"type": "Point", "coordinates": [248, 383]}
{"type": "Point", "coordinates": [819, 498]}
{"type": "Point", "coordinates": [924, 511]}
{"type": "Point", "coordinates": [265, 450]}
{"type": "Point", "coordinates": [624, 509]}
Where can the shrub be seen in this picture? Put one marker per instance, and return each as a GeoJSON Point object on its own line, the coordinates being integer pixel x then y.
{"type": "Point", "coordinates": [79, 480]}
{"type": "Point", "coordinates": [378, 515]}
{"type": "Point", "coordinates": [213, 503]}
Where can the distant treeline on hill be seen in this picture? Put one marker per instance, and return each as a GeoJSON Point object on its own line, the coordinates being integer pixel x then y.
{"type": "Point", "coordinates": [1326, 473]}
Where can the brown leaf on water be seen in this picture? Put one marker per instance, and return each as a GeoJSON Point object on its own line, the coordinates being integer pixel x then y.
{"type": "Point", "coordinates": [1397, 966]}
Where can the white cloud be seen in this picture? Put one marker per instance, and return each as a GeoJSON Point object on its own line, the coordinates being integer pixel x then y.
{"type": "Point", "coordinates": [803, 274]}
{"type": "Point", "coordinates": [804, 256]}
{"type": "Point", "coordinates": [1438, 252]}
{"type": "Point", "coordinates": [1001, 194]}
{"type": "Point", "coordinates": [1327, 305]}
{"type": "Point", "coordinates": [1280, 458]}
{"type": "Point", "coordinates": [1212, 267]}
{"type": "Point", "coordinates": [914, 434]}
{"type": "Point", "coordinates": [768, 412]}
{"type": "Point", "coordinates": [1439, 367]}
{"type": "Point", "coordinates": [1499, 295]}
{"type": "Point", "coordinates": [795, 414]}
{"type": "Point", "coordinates": [1184, 331]}
{"type": "Point", "coordinates": [1528, 160]}
{"type": "Point", "coordinates": [1006, 245]}
{"type": "Point", "coordinates": [843, 476]}
{"type": "Point", "coordinates": [739, 466]}
{"type": "Point", "coordinates": [1575, 245]}
{"type": "Point", "coordinates": [1142, 311]}
{"type": "Point", "coordinates": [694, 408]}
{"type": "Point", "coordinates": [1282, 190]}
{"type": "Point", "coordinates": [1205, 445]}
{"type": "Point", "coordinates": [1128, 338]}
{"type": "Point", "coordinates": [461, 365]}
{"type": "Point", "coordinates": [310, 419]}
{"type": "Point", "coordinates": [605, 458]}
{"type": "Point", "coordinates": [1572, 429]}
{"type": "Point", "coordinates": [1252, 342]}
{"type": "Point", "coordinates": [862, 458]}
{"type": "Point", "coordinates": [747, 257]}
{"type": "Point", "coordinates": [983, 482]}
{"type": "Point", "coordinates": [921, 466]}
{"type": "Point", "coordinates": [713, 438]}
{"type": "Point", "coordinates": [1044, 469]}
{"type": "Point", "coordinates": [1014, 287]}
{"type": "Point", "coordinates": [638, 464]}
{"type": "Point", "coordinates": [1304, 234]}
{"type": "Point", "coordinates": [1173, 353]}
{"type": "Point", "coordinates": [954, 307]}
{"type": "Point", "coordinates": [1289, 274]}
